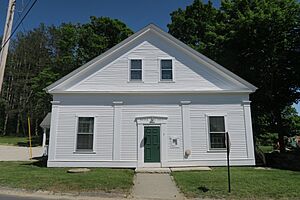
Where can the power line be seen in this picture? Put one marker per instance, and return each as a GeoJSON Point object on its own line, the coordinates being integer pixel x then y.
{"type": "Point", "coordinates": [20, 13]}
{"type": "Point", "coordinates": [15, 29]}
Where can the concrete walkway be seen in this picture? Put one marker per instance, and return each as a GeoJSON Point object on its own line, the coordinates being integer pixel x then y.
{"type": "Point", "coordinates": [13, 153]}
{"type": "Point", "coordinates": [155, 186]}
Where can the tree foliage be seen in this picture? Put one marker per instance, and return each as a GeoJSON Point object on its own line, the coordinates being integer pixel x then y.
{"type": "Point", "coordinates": [259, 41]}
{"type": "Point", "coordinates": [41, 56]}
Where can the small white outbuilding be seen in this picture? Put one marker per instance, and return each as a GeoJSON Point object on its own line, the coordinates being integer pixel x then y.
{"type": "Point", "coordinates": [150, 101]}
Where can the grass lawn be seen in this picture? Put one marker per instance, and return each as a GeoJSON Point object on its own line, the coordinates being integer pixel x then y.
{"type": "Point", "coordinates": [28, 176]}
{"type": "Point", "coordinates": [246, 183]}
{"type": "Point", "coordinates": [266, 149]}
{"type": "Point", "coordinates": [19, 141]}
{"type": "Point", "coordinates": [12, 140]}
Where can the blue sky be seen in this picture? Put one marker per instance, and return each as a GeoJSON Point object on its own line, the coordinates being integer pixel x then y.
{"type": "Point", "coordinates": [135, 13]}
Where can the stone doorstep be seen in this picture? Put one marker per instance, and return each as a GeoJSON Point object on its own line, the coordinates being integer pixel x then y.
{"type": "Point", "coordinates": [179, 169]}
{"type": "Point", "coordinates": [171, 169]}
{"type": "Point", "coordinates": [153, 170]}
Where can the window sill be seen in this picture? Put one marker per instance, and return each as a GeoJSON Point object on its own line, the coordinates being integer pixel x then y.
{"type": "Point", "coordinates": [216, 151]}
{"type": "Point", "coordinates": [166, 81]}
{"type": "Point", "coordinates": [135, 81]}
{"type": "Point", "coordinates": [84, 152]}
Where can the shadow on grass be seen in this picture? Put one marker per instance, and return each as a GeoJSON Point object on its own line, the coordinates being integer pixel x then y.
{"type": "Point", "coordinates": [40, 162]}
{"type": "Point", "coordinates": [203, 189]}
{"type": "Point", "coordinates": [287, 160]}
{"type": "Point", "coordinates": [36, 141]}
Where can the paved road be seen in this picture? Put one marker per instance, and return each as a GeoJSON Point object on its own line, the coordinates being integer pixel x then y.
{"type": "Point", "coordinates": [13, 153]}
{"type": "Point", "coordinates": [9, 197]}
{"type": "Point", "coordinates": [51, 197]}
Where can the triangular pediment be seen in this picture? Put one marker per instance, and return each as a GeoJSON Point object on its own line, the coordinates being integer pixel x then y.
{"type": "Point", "coordinates": [109, 72]}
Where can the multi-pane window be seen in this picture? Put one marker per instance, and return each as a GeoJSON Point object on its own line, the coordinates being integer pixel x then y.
{"type": "Point", "coordinates": [217, 132]}
{"type": "Point", "coordinates": [166, 70]}
{"type": "Point", "coordinates": [85, 133]}
{"type": "Point", "coordinates": [136, 69]}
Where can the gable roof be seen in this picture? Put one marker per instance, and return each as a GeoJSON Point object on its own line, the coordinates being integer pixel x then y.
{"type": "Point", "coordinates": [46, 121]}
{"type": "Point", "coordinates": [151, 27]}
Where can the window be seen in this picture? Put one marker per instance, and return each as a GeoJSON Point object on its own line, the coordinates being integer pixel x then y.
{"type": "Point", "coordinates": [174, 142]}
{"type": "Point", "coordinates": [85, 133]}
{"type": "Point", "coordinates": [217, 132]}
{"type": "Point", "coordinates": [136, 70]}
{"type": "Point", "coordinates": [166, 70]}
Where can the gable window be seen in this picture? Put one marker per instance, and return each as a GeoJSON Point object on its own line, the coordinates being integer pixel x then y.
{"type": "Point", "coordinates": [217, 132]}
{"type": "Point", "coordinates": [135, 70]}
{"type": "Point", "coordinates": [85, 133]}
{"type": "Point", "coordinates": [166, 70]}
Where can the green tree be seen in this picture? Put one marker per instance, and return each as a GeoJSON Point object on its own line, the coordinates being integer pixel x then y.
{"type": "Point", "coordinates": [39, 57]}
{"type": "Point", "coordinates": [259, 41]}
{"type": "Point", "coordinates": [40, 98]}
{"type": "Point", "coordinates": [64, 40]}
{"type": "Point", "coordinates": [28, 54]}
{"type": "Point", "coordinates": [100, 35]}
{"type": "Point", "coordinates": [291, 121]}
{"type": "Point", "coordinates": [199, 26]}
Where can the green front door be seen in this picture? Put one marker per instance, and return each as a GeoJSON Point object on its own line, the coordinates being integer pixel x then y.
{"type": "Point", "coordinates": [152, 144]}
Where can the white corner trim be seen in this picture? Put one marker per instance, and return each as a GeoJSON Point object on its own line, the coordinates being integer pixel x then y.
{"type": "Point", "coordinates": [117, 119]}
{"type": "Point", "coordinates": [55, 102]}
{"type": "Point", "coordinates": [246, 102]}
{"type": "Point", "coordinates": [185, 102]}
{"type": "Point", "coordinates": [117, 102]}
{"type": "Point", "coordinates": [248, 130]}
{"type": "Point", "coordinates": [186, 127]}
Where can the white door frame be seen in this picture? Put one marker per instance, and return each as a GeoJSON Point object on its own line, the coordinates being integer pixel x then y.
{"type": "Point", "coordinates": [146, 121]}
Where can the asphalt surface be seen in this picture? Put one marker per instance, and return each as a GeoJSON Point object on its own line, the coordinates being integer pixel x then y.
{"type": "Point", "coordinates": [13, 197]}
{"type": "Point", "coordinates": [10, 197]}
{"type": "Point", "coordinates": [13, 153]}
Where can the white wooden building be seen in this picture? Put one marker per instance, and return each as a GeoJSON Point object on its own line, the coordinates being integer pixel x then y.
{"type": "Point", "coordinates": [150, 101]}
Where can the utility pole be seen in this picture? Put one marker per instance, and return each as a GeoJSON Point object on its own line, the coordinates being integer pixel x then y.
{"type": "Point", "coordinates": [5, 39]}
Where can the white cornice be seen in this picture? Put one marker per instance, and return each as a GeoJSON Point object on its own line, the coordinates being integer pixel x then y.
{"type": "Point", "coordinates": [155, 92]}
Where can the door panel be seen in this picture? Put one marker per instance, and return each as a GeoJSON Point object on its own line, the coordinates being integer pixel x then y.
{"type": "Point", "coordinates": [152, 144]}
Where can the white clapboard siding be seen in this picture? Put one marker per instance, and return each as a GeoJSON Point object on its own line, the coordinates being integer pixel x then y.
{"type": "Point", "coordinates": [188, 74]}
{"type": "Point", "coordinates": [235, 127]}
{"type": "Point", "coordinates": [101, 88]}
{"type": "Point", "coordinates": [129, 128]}
{"type": "Point", "coordinates": [66, 132]}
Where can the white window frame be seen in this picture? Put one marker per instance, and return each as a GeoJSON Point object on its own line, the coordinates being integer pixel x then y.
{"type": "Point", "coordinates": [160, 70]}
{"type": "Point", "coordinates": [79, 151]}
{"type": "Point", "coordinates": [209, 149]}
{"type": "Point", "coordinates": [129, 69]}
